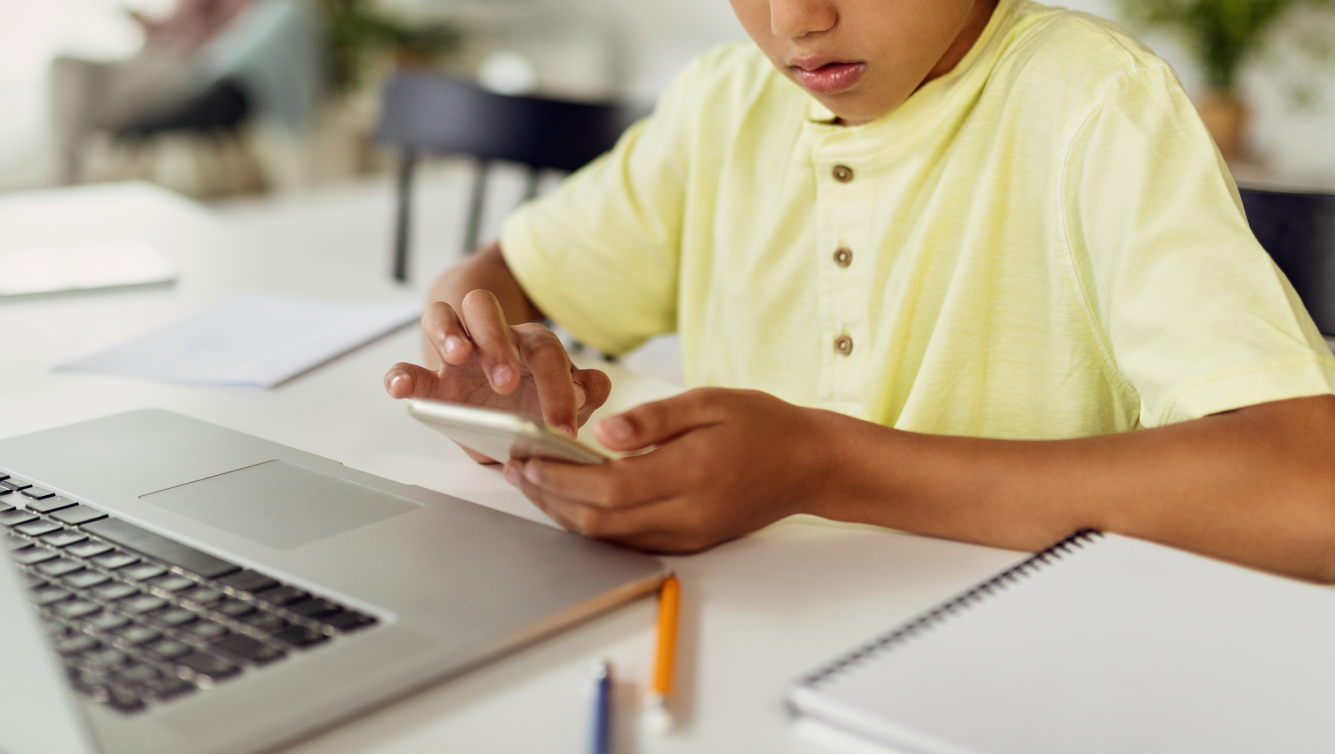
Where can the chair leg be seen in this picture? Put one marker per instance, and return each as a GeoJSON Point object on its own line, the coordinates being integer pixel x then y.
{"type": "Point", "coordinates": [475, 204]}
{"type": "Point", "coordinates": [407, 163]}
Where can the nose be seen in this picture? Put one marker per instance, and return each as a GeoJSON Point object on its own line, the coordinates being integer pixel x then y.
{"type": "Point", "coordinates": [798, 18]}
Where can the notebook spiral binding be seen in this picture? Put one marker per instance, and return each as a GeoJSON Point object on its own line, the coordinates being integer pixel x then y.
{"type": "Point", "coordinates": [939, 613]}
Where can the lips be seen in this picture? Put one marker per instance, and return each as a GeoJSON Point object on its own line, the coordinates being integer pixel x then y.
{"type": "Point", "coordinates": [828, 77]}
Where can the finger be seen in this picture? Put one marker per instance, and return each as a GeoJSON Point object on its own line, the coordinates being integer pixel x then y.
{"type": "Point", "coordinates": [659, 421]}
{"type": "Point", "coordinates": [445, 332]}
{"type": "Point", "coordinates": [624, 483]}
{"type": "Point", "coordinates": [595, 521]}
{"type": "Point", "coordinates": [597, 387]}
{"type": "Point", "coordinates": [485, 321]}
{"type": "Point", "coordinates": [558, 394]}
{"type": "Point", "coordinates": [404, 380]}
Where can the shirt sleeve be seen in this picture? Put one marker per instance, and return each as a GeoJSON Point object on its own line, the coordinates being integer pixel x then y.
{"type": "Point", "coordinates": [1188, 307]}
{"type": "Point", "coordinates": [600, 255]}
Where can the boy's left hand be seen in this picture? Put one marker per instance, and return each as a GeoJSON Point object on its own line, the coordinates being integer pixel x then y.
{"type": "Point", "coordinates": [727, 462]}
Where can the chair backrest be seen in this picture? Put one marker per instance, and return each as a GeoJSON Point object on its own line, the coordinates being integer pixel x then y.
{"type": "Point", "coordinates": [430, 113]}
{"type": "Point", "coordinates": [1298, 229]}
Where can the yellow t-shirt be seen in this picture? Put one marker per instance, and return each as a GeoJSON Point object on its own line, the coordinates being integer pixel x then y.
{"type": "Point", "coordinates": [1043, 243]}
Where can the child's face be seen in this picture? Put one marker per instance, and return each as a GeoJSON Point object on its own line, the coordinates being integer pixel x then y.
{"type": "Point", "coordinates": [863, 58]}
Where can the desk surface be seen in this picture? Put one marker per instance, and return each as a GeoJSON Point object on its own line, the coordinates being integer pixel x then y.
{"type": "Point", "coordinates": [756, 612]}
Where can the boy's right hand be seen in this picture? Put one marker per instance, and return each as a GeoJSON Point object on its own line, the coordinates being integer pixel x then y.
{"type": "Point", "coordinates": [486, 362]}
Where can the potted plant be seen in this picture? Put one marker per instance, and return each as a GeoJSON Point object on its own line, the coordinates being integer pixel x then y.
{"type": "Point", "coordinates": [1225, 35]}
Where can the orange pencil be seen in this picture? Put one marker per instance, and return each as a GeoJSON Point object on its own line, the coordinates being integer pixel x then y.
{"type": "Point", "coordinates": [657, 716]}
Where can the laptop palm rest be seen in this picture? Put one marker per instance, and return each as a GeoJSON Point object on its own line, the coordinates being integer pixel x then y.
{"type": "Point", "coordinates": [281, 504]}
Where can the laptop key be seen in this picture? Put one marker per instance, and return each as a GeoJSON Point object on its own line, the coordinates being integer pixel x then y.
{"type": "Point", "coordinates": [248, 581]}
{"type": "Point", "coordinates": [250, 649]}
{"type": "Point", "coordinates": [124, 699]}
{"type": "Point", "coordinates": [16, 517]}
{"type": "Point", "coordinates": [208, 666]}
{"type": "Point", "coordinates": [64, 537]}
{"type": "Point", "coordinates": [37, 528]}
{"type": "Point", "coordinates": [50, 595]}
{"type": "Point", "coordinates": [85, 579]}
{"type": "Point", "coordinates": [59, 567]}
{"type": "Point", "coordinates": [164, 549]}
{"type": "Point", "coordinates": [176, 616]}
{"type": "Point", "coordinates": [77, 644]}
{"type": "Point", "coordinates": [265, 621]}
{"type": "Point", "coordinates": [233, 608]}
{"type": "Point", "coordinates": [348, 620]}
{"type": "Point", "coordinates": [114, 591]}
{"type": "Point", "coordinates": [172, 582]}
{"type": "Point", "coordinates": [88, 549]}
{"type": "Point", "coordinates": [207, 630]}
{"type": "Point", "coordinates": [34, 555]}
{"type": "Point", "coordinates": [79, 514]}
{"type": "Point", "coordinates": [106, 621]}
{"type": "Point", "coordinates": [168, 687]}
{"type": "Point", "coordinates": [76, 609]}
{"type": "Point", "coordinates": [48, 504]}
{"type": "Point", "coordinates": [37, 493]}
{"type": "Point", "coordinates": [136, 634]}
{"type": "Point", "coordinates": [141, 604]}
{"type": "Point", "coordinates": [282, 595]}
{"type": "Point", "coordinates": [300, 636]}
{"type": "Point", "coordinates": [139, 673]}
{"type": "Point", "coordinates": [315, 607]}
{"type": "Point", "coordinates": [202, 595]}
{"type": "Point", "coordinates": [170, 649]}
{"type": "Point", "coordinates": [16, 542]}
{"type": "Point", "coordinates": [114, 560]}
{"type": "Point", "coordinates": [142, 571]}
{"type": "Point", "coordinates": [103, 658]}
{"type": "Point", "coordinates": [16, 484]}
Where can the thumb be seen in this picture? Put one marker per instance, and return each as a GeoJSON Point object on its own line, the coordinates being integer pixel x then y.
{"type": "Point", "coordinates": [404, 380]}
{"type": "Point", "coordinates": [659, 421]}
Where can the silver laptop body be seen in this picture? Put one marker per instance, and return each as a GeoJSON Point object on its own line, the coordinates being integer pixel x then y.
{"type": "Point", "coordinates": [422, 586]}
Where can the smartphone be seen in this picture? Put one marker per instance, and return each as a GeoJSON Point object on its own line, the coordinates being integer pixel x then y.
{"type": "Point", "coordinates": [501, 435]}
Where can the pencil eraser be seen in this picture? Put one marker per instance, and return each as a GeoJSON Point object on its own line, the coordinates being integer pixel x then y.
{"type": "Point", "coordinates": [656, 720]}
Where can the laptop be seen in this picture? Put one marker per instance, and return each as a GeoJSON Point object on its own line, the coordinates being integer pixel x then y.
{"type": "Point", "coordinates": [184, 587]}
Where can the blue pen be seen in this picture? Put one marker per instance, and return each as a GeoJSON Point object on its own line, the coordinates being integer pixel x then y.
{"type": "Point", "coordinates": [601, 741]}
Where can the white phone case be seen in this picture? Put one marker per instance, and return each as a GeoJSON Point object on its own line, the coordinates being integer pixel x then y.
{"type": "Point", "coordinates": [501, 435]}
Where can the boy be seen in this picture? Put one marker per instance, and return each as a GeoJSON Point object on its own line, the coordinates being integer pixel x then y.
{"type": "Point", "coordinates": [959, 248]}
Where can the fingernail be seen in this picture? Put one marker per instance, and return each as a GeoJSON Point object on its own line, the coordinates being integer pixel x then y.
{"type": "Point", "coordinates": [512, 473]}
{"type": "Point", "coordinates": [453, 343]}
{"type": "Point", "coordinates": [501, 375]}
{"type": "Point", "coordinates": [580, 395]}
{"type": "Point", "coordinates": [617, 427]}
{"type": "Point", "coordinates": [531, 472]}
{"type": "Point", "coordinates": [570, 430]}
{"type": "Point", "coordinates": [394, 381]}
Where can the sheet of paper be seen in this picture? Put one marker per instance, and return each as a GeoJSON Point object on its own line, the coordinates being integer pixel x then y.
{"type": "Point", "coordinates": [252, 341]}
{"type": "Point", "coordinates": [33, 270]}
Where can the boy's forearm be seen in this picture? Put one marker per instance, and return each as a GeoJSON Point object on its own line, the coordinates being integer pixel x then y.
{"type": "Point", "coordinates": [1254, 485]}
{"type": "Point", "coordinates": [484, 270]}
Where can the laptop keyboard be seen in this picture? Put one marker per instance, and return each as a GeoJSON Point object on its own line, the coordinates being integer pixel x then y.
{"type": "Point", "coordinates": [141, 619]}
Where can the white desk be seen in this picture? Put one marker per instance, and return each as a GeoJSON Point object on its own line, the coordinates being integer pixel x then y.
{"type": "Point", "coordinates": [755, 614]}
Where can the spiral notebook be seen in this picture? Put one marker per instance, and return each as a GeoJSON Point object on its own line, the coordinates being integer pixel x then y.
{"type": "Point", "coordinates": [1098, 644]}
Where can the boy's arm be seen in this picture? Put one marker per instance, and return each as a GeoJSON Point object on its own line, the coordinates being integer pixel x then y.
{"type": "Point", "coordinates": [1254, 485]}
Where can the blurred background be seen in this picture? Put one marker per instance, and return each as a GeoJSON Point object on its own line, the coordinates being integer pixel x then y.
{"type": "Point", "coordinates": [221, 99]}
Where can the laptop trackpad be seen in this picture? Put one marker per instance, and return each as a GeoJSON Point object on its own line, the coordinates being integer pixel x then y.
{"type": "Point", "coordinates": [281, 504]}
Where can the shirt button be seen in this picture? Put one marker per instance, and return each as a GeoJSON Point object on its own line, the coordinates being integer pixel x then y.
{"type": "Point", "coordinates": [843, 173]}
{"type": "Point", "coordinates": [844, 345]}
{"type": "Point", "coordinates": [843, 256]}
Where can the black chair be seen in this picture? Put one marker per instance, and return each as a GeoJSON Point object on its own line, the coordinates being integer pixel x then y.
{"type": "Point", "coordinates": [1298, 229]}
{"type": "Point", "coordinates": [424, 113]}
{"type": "Point", "coordinates": [223, 107]}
